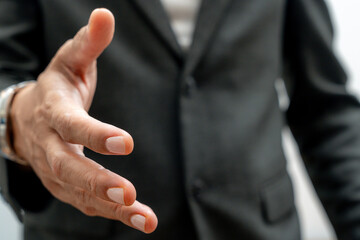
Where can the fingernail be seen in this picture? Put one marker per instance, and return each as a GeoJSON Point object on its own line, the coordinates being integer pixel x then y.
{"type": "Point", "coordinates": [115, 144]}
{"type": "Point", "coordinates": [138, 221]}
{"type": "Point", "coordinates": [117, 195]}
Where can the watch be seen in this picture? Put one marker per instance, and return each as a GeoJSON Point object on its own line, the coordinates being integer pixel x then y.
{"type": "Point", "coordinates": [6, 97]}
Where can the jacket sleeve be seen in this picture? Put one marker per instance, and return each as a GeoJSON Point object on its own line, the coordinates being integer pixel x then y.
{"type": "Point", "coordinates": [20, 60]}
{"type": "Point", "coordinates": [323, 117]}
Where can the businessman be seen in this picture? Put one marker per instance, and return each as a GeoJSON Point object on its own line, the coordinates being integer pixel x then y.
{"type": "Point", "coordinates": [203, 114]}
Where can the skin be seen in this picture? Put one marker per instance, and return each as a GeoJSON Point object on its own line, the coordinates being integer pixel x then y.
{"type": "Point", "coordinates": [51, 125]}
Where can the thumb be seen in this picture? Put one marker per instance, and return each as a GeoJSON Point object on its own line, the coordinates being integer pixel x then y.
{"type": "Point", "coordinates": [87, 45]}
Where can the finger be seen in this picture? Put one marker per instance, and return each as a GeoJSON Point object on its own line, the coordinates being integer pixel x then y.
{"type": "Point", "coordinates": [89, 42]}
{"type": "Point", "coordinates": [77, 170]}
{"type": "Point", "coordinates": [137, 215]}
{"type": "Point", "coordinates": [76, 126]}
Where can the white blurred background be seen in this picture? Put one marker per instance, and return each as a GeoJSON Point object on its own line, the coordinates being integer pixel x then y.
{"type": "Point", "coordinates": [314, 223]}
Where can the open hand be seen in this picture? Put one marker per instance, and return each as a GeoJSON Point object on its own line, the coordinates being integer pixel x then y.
{"type": "Point", "coordinates": [51, 125]}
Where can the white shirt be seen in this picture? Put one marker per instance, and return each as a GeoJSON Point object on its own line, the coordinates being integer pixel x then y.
{"type": "Point", "coordinates": [182, 14]}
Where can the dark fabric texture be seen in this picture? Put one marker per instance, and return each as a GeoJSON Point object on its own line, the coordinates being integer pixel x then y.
{"type": "Point", "coordinates": [206, 124]}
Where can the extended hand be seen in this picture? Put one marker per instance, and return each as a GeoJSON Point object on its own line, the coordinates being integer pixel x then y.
{"type": "Point", "coordinates": [51, 126]}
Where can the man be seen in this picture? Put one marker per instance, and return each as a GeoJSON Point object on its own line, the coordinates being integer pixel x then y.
{"type": "Point", "coordinates": [206, 121]}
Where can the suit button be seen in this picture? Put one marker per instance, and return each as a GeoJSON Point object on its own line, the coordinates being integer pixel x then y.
{"type": "Point", "coordinates": [197, 187]}
{"type": "Point", "coordinates": [189, 86]}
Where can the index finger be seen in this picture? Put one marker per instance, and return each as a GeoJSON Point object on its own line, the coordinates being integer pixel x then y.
{"type": "Point", "coordinates": [74, 125]}
{"type": "Point", "coordinates": [77, 170]}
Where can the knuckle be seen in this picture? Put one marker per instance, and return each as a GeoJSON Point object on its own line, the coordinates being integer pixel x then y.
{"type": "Point", "coordinates": [92, 181]}
{"type": "Point", "coordinates": [57, 165]}
{"type": "Point", "coordinates": [57, 115]}
{"type": "Point", "coordinates": [49, 105]}
{"type": "Point", "coordinates": [39, 114]}
{"type": "Point", "coordinates": [65, 124]}
{"type": "Point", "coordinates": [90, 137]}
{"type": "Point", "coordinates": [89, 211]}
{"type": "Point", "coordinates": [67, 121]}
{"type": "Point", "coordinates": [82, 196]}
{"type": "Point", "coordinates": [118, 211]}
{"type": "Point", "coordinates": [86, 131]}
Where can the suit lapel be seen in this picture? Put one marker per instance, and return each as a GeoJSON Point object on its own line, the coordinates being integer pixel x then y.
{"type": "Point", "coordinates": [156, 14]}
{"type": "Point", "coordinates": [208, 21]}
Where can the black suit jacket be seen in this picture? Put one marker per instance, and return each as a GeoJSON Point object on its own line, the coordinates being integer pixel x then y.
{"type": "Point", "coordinates": [207, 125]}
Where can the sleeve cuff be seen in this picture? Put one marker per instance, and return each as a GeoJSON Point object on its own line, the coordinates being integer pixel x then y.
{"type": "Point", "coordinates": [22, 189]}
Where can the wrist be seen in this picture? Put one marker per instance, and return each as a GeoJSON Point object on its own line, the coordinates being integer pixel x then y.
{"type": "Point", "coordinates": [6, 137]}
